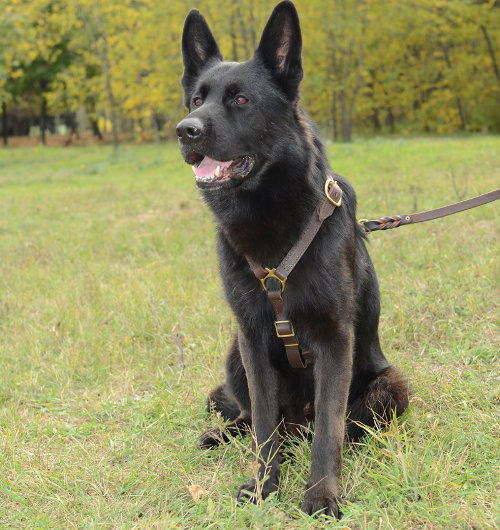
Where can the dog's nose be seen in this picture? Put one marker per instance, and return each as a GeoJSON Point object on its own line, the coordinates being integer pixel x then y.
{"type": "Point", "coordinates": [189, 129]}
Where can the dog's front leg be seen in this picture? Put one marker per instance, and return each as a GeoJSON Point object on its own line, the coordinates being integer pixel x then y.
{"type": "Point", "coordinates": [263, 387]}
{"type": "Point", "coordinates": [332, 376]}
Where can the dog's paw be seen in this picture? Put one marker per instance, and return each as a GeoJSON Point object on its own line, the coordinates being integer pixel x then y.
{"type": "Point", "coordinates": [211, 439]}
{"type": "Point", "coordinates": [319, 503]}
{"type": "Point", "coordinates": [247, 493]}
{"type": "Point", "coordinates": [254, 491]}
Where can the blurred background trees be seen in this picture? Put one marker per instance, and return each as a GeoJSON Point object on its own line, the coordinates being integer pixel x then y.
{"type": "Point", "coordinates": [111, 68]}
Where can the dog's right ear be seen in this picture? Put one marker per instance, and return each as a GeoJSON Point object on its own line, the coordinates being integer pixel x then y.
{"type": "Point", "coordinates": [198, 48]}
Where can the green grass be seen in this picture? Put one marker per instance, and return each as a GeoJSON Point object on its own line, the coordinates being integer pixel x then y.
{"type": "Point", "coordinates": [113, 328]}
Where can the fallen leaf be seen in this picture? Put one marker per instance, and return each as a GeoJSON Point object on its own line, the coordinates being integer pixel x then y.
{"type": "Point", "coordinates": [56, 329]}
{"type": "Point", "coordinates": [196, 492]}
{"type": "Point", "coordinates": [254, 468]}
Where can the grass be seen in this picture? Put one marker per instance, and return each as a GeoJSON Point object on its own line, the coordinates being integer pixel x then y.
{"type": "Point", "coordinates": [113, 328]}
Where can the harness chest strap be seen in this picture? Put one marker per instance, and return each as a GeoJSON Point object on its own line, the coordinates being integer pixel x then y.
{"type": "Point", "coordinates": [284, 328]}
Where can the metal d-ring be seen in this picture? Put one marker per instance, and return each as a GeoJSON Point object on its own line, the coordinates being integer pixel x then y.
{"type": "Point", "coordinates": [271, 273]}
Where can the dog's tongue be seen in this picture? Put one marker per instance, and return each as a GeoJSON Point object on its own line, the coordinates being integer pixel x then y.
{"type": "Point", "coordinates": [208, 166]}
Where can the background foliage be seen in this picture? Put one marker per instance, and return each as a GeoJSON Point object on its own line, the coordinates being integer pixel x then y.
{"type": "Point", "coordinates": [371, 65]}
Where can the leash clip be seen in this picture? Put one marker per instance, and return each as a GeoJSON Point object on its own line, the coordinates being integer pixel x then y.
{"type": "Point", "coordinates": [362, 223]}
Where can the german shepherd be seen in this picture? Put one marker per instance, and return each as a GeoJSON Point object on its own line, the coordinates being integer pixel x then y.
{"type": "Point", "coordinates": [261, 167]}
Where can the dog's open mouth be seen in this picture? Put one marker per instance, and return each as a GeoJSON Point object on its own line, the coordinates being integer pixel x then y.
{"type": "Point", "coordinates": [211, 173]}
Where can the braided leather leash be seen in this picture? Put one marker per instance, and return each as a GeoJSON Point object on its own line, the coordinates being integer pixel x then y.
{"type": "Point", "coordinates": [393, 221]}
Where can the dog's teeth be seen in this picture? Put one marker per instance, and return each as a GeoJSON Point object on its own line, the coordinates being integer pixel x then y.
{"type": "Point", "coordinates": [217, 171]}
{"type": "Point", "coordinates": [194, 169]}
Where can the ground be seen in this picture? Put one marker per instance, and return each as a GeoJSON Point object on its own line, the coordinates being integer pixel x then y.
{"type": "Point", "coordinates": [113, 328]}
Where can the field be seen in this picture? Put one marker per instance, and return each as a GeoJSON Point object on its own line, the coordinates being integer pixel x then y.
{"type": "Point", "coordinates": [113, 328]}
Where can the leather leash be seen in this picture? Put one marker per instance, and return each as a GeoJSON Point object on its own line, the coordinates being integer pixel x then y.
{"type": "Point", "coordinates": [274, 289]}
{"type": "Point", "coordinates": [393, 221]}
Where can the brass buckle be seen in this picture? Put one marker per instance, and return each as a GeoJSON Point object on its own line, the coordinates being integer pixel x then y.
{"type": "Point", "coordinates": [292, 334]}
{"type": "Point", "coordinates": [271, 273]}
{"type": "Point", "coordinates": [327, 185]}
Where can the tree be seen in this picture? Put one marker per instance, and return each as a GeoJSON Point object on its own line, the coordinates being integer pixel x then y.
{"type": "Point", "coordinates": [97, 23]}
{"type": "Point", "coordinates": [381, 65]}
{"type": "Point", "coordinates": [39, 54]}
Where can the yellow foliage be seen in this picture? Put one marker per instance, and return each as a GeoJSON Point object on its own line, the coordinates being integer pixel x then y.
{"type": "Point", "coordinates": [426, 65]}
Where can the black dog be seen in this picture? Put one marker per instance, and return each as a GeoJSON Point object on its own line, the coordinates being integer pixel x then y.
{"type": "Point", "coordinates": [261, 167]}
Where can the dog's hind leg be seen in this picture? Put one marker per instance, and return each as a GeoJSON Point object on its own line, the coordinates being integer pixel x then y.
{"type": "Point", "coordinates": [219, 401]}
{"type": "Point", "coordinates": [231, 400]}
{"type": "Point", "coordinates": [377, 389]}
{"type": "Point", "coordinates": [384, 396]}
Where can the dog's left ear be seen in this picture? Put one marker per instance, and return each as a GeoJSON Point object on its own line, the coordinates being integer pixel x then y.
{"type": "Point", "coordinates": [198, 48]}
{"type": "Point", "coordinates": [280, 48]}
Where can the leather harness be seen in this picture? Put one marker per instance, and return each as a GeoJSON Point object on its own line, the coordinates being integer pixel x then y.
{"type": "Point", "coordinates": [297, 357]}
{"type": "Point", "coordinates": [284, 328]}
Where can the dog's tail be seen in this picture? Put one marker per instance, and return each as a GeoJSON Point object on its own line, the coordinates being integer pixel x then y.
{"type": "Point", "coordinates": [220, 401]}
{"type": "Point", "coordinates": [386, 395]}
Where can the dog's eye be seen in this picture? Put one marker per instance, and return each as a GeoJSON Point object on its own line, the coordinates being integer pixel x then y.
{"type": "Point", "coordinates": [240, 100]}
{"type": "Point", "coordinates": [197, 102]}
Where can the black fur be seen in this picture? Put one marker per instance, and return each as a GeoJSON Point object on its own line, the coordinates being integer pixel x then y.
{"type": "Point", "coordinates": [251, 110]}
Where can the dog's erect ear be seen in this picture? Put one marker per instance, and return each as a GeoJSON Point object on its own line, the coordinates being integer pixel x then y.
{"type": "Point", "coordinates": [198, 48]}
{"type": "Point", "coordinates": [280, 47]}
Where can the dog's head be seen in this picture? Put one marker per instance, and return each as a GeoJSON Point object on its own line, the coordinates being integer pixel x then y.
{"type": "Point", "coordinates": [241, 115]}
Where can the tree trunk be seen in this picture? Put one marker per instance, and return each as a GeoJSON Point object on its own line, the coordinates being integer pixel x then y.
{"type": "Point", "coordinates": [95, 128]}
{"type": "Point", "coordinates": [390, 120]}
{"type": "Point", "coordinates": [349, 60]}
{"type": "Point", "coordinates": [156, 128]}
{"type": "Point", "coordinates": [377, 126]}
{"type": "Point", "coordinates": [43, 120]}
{"type": "Point", "coordinates": [232, 30]}
{"type": "Point", "coordinates": [458, 101]}
{"type": "Point", "coordinates": [57, 121]}
{"type": "Point", "coordinates": [492, 54]}
{"type": "Point", "coordinates": [359, 66]}
{"type": "Point", "coordinates": [344, 121]}
{"type": "Point", "coordinates": [251, 20]}
{"type": "Point", "coordinates": [491, 51]}
{"type": "Point", "coordinates": [107, 74]}
{"type": "Point", "coordinates": [375, 116]}
{"type": "Point", "coordinates": [71, 122]}
{"type": "Point", "coordinates": [244, 24]}
{"type": "Point", "coordinates": [5, 133]}
{"type": "Point", "coordinates": [335, 125]}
